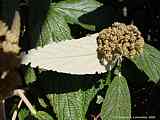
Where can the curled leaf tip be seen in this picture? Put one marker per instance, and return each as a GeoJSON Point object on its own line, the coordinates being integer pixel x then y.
{"type": "Point", "coordinates": [117, 41]}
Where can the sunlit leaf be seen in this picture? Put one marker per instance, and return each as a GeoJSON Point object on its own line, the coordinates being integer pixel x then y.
{"type": "Point", "coordinates": [73, 9]}
{"type": "Point", "coordinates": [73, 105]}
{"type": "Point", "coordinates": [30, 75]}
{"type": "Point", "coordinates": [55, 28]}
{"type": "Point", "coordinates": [42, 102]}
{"type": "Point", "coordinates": [149, 62]}
{"type": "Point", "coordinates": [23, 114]}
{"type": "Point", "coordinates": [55, 22]}
{"type": "Point", "coordinates": [41, 115]}
{"type": "Point", "coordinates": [117, 103]}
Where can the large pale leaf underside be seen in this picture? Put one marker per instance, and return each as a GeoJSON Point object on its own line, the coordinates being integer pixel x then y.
{"type": "Point", "coordinates": [77, 56]}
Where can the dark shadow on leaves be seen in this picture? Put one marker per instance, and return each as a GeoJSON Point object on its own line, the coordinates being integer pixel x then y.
{"type": "Point", "coordinates": [51, 82]}
{"type": "Point", "coordinates": [145, 14]}
{"type": "Point", "coordinates": [154, 98]}
{"type": "Point", "coordinates": [132, 73]}
{"type": "Point", "coordinates": [142, 91]}
{"type": "Point", "coordinates": [54, 82]}
{"type": "Point", "coordinates": [33, 16]}
{"type": "Point", "coordinates": [94, 109]}
{"type": "Point", "coordinates": [101, 17]}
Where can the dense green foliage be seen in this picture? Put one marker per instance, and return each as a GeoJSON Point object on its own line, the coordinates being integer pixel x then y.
{"type": "Point", "coordinates": [58, 96]}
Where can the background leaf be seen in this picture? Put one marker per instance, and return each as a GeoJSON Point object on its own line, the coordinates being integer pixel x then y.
{"type": "Point", "coordinates": [23, 114]}
{"type": "Point", "coordinates": [55, 27]}
{"type": "Point", "coordinates": [29, 75]}
{"type": "Point", "coordinates": [73, 9]}
{"type": "Point", "coordinates": [41, 115]}
{"type": "Point", "coordinates": [117, 103]}
{"type": "Point", "coordinates": [42, 102]}
{"type": "Point", "coordinates": [66, 96]}
{"type": "Point", "coordinates": [149, 62]}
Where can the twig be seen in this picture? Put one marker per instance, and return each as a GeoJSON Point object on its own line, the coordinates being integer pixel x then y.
{"type": "Point", "coordinates": [20, 93]}
{"type": "Point", "coordinates": [14, 116]}
{"type": "Point", "coordinates": [3, 109]}
{"type": "Point", "coordinates": [95, 117]}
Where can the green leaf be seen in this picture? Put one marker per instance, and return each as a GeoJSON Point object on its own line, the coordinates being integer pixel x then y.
{"type": "Point", "coordinates": [73, 105]}
{"type": "Point", "coordinates": [41, 115]}
{"type": "Point", "coordinates": [73, 9]}
{"type": "Point", "coordinates": [117, 103]}
{"type": "Point", "coordinates": [23, 114]}
{"type": "Point", "coordinates": [42, 102]}
{"type": "Point", "coordinates": [149, 62]}
{"type": "Point", "coordinates": [55, 28]}
{"type": "Point", "coordinates": [30, 75]}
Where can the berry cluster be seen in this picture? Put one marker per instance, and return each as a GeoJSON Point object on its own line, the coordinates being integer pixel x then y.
{"type": "Point", "coordinates": [117, 41]}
